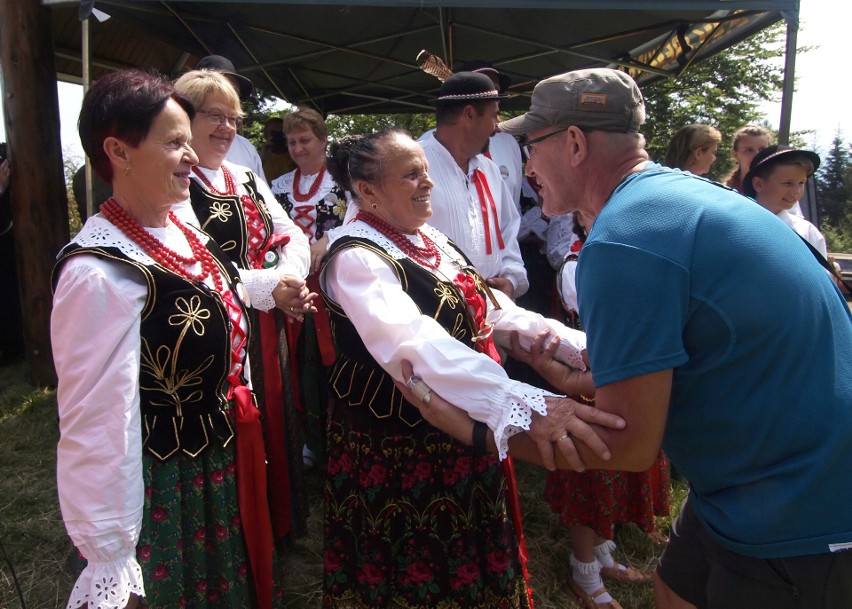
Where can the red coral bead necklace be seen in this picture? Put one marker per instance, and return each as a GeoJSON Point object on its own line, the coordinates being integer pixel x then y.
{"type": "Point", "coordinates": [230, 183]}
{"type": "Point", "coordinates": [297, 177]}
{"type": "Point", "coordinates": [155, 248]}
{"type": "Point", "coordinates": [419, 254]}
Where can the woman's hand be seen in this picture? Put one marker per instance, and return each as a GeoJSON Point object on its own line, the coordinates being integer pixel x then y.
{"type": "Point", "coordinates": [293, 297]}
{"type": "Point", "coordinates": [318, 250]}
{"type": "Point", "coordinates": [541, 358]}
{"type": "Point", "coordinates": [439, 413]}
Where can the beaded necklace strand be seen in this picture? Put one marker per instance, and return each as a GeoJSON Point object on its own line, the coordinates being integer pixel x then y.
{"type": "Point", "coordinates": [230, 184]}
{"type": "Point", "coordinates": [419, 254]}
{"type": "Point", "coordinates": [155, 248]}
{"type": "Point", "coordinates": [297, 177]}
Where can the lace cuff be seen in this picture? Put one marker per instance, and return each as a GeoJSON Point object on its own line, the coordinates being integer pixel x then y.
{"type": "Point", "coordinates": [260, 283]}
{"type": "Point", "coordinates": [107, 585]}
{"type": "Point", "coordinates": [522, 400]}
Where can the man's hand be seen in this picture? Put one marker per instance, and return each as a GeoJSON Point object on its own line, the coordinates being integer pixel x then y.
{"type": "Point", "coordinates": [502, 284]}
{"type": "Point", "coordinates": [568, 422]}
{"type": "Point", "coordinates": [293, 297]}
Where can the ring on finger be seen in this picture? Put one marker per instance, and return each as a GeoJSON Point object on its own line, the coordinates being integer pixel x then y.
{"type": "Point", "coordinates": [564, 436]}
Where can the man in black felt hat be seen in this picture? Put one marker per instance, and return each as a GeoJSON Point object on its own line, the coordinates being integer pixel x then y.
{"type": "Point", "coordinates": [242, 151]}
{"type": "Point", "coordinates": [470, 200]}
{"type": "Point", "coordinates": [503, 149]}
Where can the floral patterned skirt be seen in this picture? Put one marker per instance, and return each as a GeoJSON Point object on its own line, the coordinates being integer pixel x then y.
{"type": "Point", "coordinates": [600, 499]}
{"type": "Point", "coordinates": [414, 519]}
{"type": "Point", "coordinates": [191, 548]}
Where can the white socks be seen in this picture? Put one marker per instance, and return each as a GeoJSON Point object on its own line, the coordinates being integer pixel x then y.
{"type": "Point", "coordinates": [603, 552]}
{"type": "Point", "coordinates": [587, 575]}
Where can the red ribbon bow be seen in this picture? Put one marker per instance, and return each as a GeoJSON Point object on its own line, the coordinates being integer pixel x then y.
{"type": "Point", "coordinates": [476, 305]}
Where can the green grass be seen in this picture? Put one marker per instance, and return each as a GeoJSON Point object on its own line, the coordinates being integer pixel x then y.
{"type": "Point", "coordinates": [35, 541]}
{"type": "Point", "coordinates": [31, 528]}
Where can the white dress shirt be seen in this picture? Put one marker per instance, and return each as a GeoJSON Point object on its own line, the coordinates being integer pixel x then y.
{"type": "Point", "coordinates": [806, 230]}
{"type": "Point", "coordinates": [242, 152]}
{"type": "Point", "coordinates": [506, 153]}
{"type": "Point", "coordinates": [457, 212]}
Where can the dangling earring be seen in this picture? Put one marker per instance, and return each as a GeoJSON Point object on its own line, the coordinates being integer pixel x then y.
{"type": "Point", "coordinates": [374, 206]}
{"type": "Point", "coordinates": [127, 170]}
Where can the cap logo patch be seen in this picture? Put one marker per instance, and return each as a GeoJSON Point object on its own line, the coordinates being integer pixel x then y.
{"type": "Point", "coordinates": [596, 101]}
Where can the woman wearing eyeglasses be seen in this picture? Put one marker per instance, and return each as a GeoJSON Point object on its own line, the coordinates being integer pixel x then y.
{"type": "Point", "coordinates": [416, 514]}
{"type": "Point", "coordinates": [237, 209]}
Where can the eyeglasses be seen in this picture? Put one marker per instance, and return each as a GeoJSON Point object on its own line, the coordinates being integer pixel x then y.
{"type": "Point", "coordinates": [218, 118]}
{"type": "Point", "coordinates": [528, 147]}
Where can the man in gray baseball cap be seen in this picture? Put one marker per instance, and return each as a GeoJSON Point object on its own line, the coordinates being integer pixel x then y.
{"type": "Point", "coordinates": [606, 100]}
{"type": "Point", "coordinates": [699, 337]}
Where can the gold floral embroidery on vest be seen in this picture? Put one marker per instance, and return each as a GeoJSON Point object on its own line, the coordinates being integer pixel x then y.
{"type": "Point", "coordinates": [191, 315]}
{"type": "Point", "coordinates": [162, 365]}
{"type": "Point", "coordinates": [221, 211]}
{"type": "Point", "coordinates": [447, 296]}
{"type": "Point", "coordinates": [477, 278]}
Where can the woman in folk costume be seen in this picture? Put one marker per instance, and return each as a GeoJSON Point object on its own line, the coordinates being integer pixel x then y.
{"type": "Point", "coordinates": [317, 204]}
{"type": "Point", "coordinates": [414, 517]}
{"type": "Point", "coordinates": [237, 209]}
{"type": "Point", "coordinates": [160, 462]}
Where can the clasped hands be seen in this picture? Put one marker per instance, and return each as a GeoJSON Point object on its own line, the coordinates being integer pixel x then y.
{"type": "Point", "coordinates": [293, 297]}
{"type": "Point", "coordinates": [566, 420]}
{"type": "Point", "coordinates": [556, 436]}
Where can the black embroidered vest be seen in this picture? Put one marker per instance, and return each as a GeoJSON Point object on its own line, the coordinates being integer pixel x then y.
{"type": "Point", "coordinates": [326, 209]}
{"type": "Point", "coordinates": [223, 217]}
{"type": "Point", "coordinates": [185, 338]}
{"type": "Point", "coordinates": [357, 379]}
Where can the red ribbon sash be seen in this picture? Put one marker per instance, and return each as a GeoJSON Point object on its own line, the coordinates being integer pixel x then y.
{"type": "Point", "coordinates": [484, 193]}
{"type": "Point", "coordinates": [251, 493]}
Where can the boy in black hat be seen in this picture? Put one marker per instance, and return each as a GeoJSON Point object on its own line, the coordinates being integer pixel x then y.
{"type": "Point", "coordinates": [776, 179]}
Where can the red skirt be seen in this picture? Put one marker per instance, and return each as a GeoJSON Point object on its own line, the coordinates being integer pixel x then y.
{"type": "Point", "coordinates": [600, 499]}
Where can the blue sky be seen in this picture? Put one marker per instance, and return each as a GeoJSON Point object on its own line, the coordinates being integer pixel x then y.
{"type": "Point", "coordinates": [820, 104]}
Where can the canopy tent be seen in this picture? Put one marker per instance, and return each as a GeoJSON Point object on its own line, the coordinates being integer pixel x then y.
{"type": "Point", "coordinates": [339, 56]}
{"type": "Point", "coordinates": [359, 56]}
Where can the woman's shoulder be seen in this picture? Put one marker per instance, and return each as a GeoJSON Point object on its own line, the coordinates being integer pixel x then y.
{"type": "Point", "coordinates": [283, 183]}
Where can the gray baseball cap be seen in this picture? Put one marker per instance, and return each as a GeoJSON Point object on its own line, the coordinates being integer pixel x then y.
{"type": "Point", "coordinates": [600, 99]}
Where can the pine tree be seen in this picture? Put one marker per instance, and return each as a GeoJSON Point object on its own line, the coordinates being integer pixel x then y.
{"type": "Point", "coordinates": [833, 187]}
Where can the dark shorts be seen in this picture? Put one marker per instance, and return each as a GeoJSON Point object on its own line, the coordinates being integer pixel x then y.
{"type": "Point", "coordinates": [707, 575]}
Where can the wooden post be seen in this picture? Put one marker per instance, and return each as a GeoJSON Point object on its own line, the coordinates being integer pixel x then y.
{"type": "Point", "coordinates": [39, 196]}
